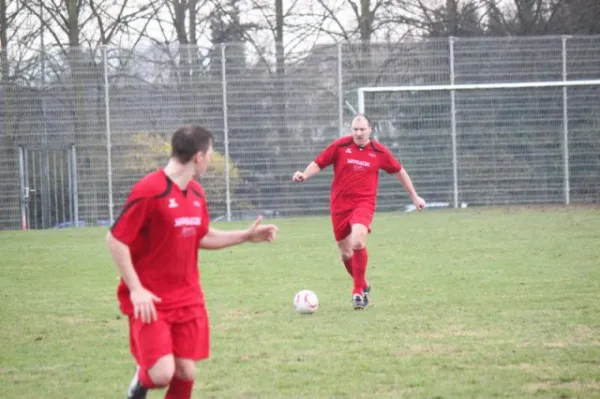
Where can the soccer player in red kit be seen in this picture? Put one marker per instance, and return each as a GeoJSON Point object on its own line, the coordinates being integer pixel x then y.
{"type": "Point", "coordinates": [356, 161]}
{"type": "Point", "coordinates": [154, 243]}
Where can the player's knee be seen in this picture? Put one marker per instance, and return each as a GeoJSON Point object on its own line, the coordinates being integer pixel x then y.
{"type": "Point", "coordinates": [359, 237]}
{"type": "Point", "coordinates": [345, 248]}
{"type": "Point", "coordinates": [359, 243]}
{"type": "Point", "coordinates": [359, 240]}
{"type": "Point", "coordinates": [346, 254]}
{"type": "Point", "coordinates": [163, 377]}
{"type": "Point", "coordinates": [185, 369]}
{"type": "Point", "coordinates": [162, 372]}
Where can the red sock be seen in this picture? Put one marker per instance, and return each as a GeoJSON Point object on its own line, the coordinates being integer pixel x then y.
{"type": "Point", "coordinates": [180, 389]}
{"type": "Point", "coordinates": [359, 269]}
{"type": "Point", "coordinates": [348, 264]}
{"type": "Point", "coordinates": [145, 379]}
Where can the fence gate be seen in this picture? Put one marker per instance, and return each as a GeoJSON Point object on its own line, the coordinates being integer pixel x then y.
{"type": "Point", "coordinates": [48, 187]}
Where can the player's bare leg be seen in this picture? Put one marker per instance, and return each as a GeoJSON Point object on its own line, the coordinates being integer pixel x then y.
{"type": "Point", "coordinates": [358, 239]}
{"type": "Point", "coordinates": [346, 252]}
{"type": "Point", "coordinates": [345, 247]}
{"type": "Point", "coordinates": [159, 375]}
{"type": "Point", "coordinates": [183, 381]}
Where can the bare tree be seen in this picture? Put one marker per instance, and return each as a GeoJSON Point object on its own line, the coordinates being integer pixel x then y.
{"type": "Point", "coordinates": [17, 34]}
{"type": "Point", "coordinates": [539, 17]}
{"type": "Point", "coordinates": [358, 23]}
{"type": "Point", "coordinates": [61, 20]}
{"type": "Point", "coordinates": [5, 19]}
{"type": "Point", "coordinates": [451, 18]}
{"type": "Point", "coordinates": [280, 70]}
{"type": "Point", "coordinates": [185, 16]}
{"type": "Point", "coordinates": [114, 21]}
{"type": "Point", "coordinates": [577, 17]}
{"type": "Point", "coordinates": [76, 29]}
{"type": "Point", "coordinates": [4, 40]}
{"type": "Point", "coordinates": [5, 69]}
{"type": "Point", "coordinates": [362, 20]}
{"type": "Point", "coordinates": [504, 18]}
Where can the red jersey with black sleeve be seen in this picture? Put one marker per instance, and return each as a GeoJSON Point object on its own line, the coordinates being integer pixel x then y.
{"type": "Point", "coordinates": [356, 172]}
{"type": "Point", "coordinates": [162, 225]}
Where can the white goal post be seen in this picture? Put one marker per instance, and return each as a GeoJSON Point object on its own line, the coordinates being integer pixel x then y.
{"type": "Point", "coordinates": [452, 88]}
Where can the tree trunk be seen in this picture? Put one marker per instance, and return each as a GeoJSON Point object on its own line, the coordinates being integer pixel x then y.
{"type": "Point", "coordinates": [452, 15]}
{"type": "Point", "coordinates": [5, 70]}
{"type": "Point", "coordinates": [280, 69]}
{"type": "Point", "coordinates": [88, 168]}
{"type": "Point", "coordinates": [7, 187]}
{"type": "Point", "coordinates": [365, 24]}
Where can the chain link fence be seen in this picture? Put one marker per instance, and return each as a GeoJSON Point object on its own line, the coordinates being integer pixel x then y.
{"type": "Point", "coordinates": [75, 139]}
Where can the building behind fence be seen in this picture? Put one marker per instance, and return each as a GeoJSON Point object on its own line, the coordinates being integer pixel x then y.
{"type": "Point", "coordinates": [74, 142]}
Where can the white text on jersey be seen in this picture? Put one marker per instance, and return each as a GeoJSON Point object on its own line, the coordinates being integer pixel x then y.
{"type": "Point", "coordinates": [358, 162]}
{"type": "Point", "coordinates": [188, 221]}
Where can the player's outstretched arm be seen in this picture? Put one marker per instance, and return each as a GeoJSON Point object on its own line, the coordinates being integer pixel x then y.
{"type": "Point", "coordinates": [407, 183]}
{"type": "Point", "coordinates": [311, 170]}
{"type": "Point", "coordinates": [142, 299]}
{"type": "Point", "coordinates": [257, 232]}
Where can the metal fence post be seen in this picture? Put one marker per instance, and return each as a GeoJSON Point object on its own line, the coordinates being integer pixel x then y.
{"type": "Point", "coordinates": [108, 136]}
{"type": "Point", "coordinates": [75, 192]}
{"type": "Point", "coordinates": [70, 180]}
{"type": "Point", "coordinates": [567, 189]}
{"type": "Point", "coordinates": [361, 100]}
{"type": "Point", "coordinates": [225, 131]}
{"type": "Point", "coordinates": [44, 162]}
{"type": "Point", "coordinates": [453, 119]}
{"type": "Point", "coordinates": [23, 189]}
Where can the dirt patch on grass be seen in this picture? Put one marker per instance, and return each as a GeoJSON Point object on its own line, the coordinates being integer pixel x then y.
{"type": "Point", "coordinates": [570, 344]}
{"type": "Point", "coordinates": [575, 386]}
{"type": "Point", "coordinates": [453, 332]}
{"type": "Point", "coordinates": [237, 314]}
{"type": "Point", "coordinates": [418, 348]}
{"type": "Point", "coordinates": [519, 366]}
{"type": "Point", "coordinates": [585, 332]}
{"type": "Point", "coordinates": [579, 336]}
{"type": "Point", "coordinates": [74, 320]}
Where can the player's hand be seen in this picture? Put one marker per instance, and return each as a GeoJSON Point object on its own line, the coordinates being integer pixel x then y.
{"type": "Point", "coordinates": [418, 202]}
{"type": "Point", "coordinates": [299, 176]}
{"type": "Point", "coordinates": [143, 304]}
{"type": "Point", "coordinates": [258, 232]}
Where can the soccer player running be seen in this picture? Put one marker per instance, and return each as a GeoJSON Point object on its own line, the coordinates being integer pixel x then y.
{"type": "Point", "coordinates": [154, 243]}
{"type": "Point", "coordinates": [356, 161]}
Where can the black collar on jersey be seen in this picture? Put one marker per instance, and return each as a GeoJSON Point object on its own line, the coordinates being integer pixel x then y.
{"type": "Point", "coordinates": [184, 192]}
{"type": "Point", "coordinates": [371, 144]}
{"type": "Point", "coordinates": [167, 190]}
{"type": "Point", "coordinates": [375, 147]}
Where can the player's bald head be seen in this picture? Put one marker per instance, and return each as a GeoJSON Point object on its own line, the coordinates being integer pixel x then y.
{"type": "Point", "coordinates": [189, 140]}
{"type": "Point", "coordinates": [361, 118]}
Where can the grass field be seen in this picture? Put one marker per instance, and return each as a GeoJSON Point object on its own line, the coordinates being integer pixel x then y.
{"type": "Point", "coordinates": [470, 303]}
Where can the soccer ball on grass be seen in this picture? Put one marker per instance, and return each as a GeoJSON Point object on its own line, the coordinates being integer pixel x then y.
{"type": "Point", "coordinates": [306, 302]}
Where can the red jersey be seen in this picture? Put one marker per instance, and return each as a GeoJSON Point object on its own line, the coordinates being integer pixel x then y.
{"type": "Point", "coordinates": [162, 225]}
{"type": "Point", "coordinates": [356, 172]}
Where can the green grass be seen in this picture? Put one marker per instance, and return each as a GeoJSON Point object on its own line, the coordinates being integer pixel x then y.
{"type": "Point", "coordinates": [494, 303]}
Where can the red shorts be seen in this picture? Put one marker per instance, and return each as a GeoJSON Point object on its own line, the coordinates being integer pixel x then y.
{"type": "Point", "coordinates": [342, 222]}
{"type": "Point", "coordinates": [184, 333]}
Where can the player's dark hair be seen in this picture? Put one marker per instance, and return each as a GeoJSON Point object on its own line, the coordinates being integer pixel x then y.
{"type": "Point", "coordinates": [188, 140]}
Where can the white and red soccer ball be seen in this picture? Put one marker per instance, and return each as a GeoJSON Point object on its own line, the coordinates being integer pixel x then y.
{"type": "Point", "coordinates": [306, 302]}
